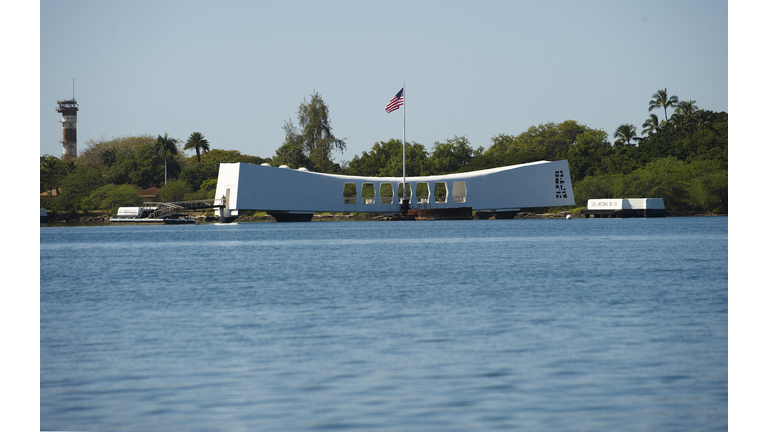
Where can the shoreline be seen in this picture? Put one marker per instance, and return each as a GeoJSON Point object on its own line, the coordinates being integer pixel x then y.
{"type": "Point", "coordinates": [326, 217]}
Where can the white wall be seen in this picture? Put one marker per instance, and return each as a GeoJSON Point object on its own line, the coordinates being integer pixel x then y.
{"type": "Point", "coordinates": [256, 187]}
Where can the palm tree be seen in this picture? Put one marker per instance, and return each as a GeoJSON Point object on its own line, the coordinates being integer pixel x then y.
{"type": "Point", "coordinates": [48, 167]}
{"type": "Point", "coordinates": [660, 100]}
{"type": "Point", "coordinates": [70, 166]}
{"type": "Point", "coordinates": [651, 125]}
{"type": "Point", "coordinates": [165, 147]}
{"type": "Point", "coordinates": [625, 134]}
{"type": "Point", "coordinates": [705, 121]}
{"type": "Point", "coordinates": [681, 124]}
{"type": "Point", "coordinates": [687, 108]}
{"type": "Point", "coordinates": [197, 141]}
{"type": "Point", "coordinates": [109, 157]}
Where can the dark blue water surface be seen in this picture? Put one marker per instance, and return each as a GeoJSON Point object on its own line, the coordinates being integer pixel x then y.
{"type": "Point", "coordinates": [558, 325]}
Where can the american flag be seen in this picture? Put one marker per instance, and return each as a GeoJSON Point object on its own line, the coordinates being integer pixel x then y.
{"type": "Point", "coordinates": [396, 101]}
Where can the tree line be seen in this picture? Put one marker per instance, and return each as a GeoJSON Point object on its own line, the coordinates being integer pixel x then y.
{"type": "Point", "coordinates": [681, 157]}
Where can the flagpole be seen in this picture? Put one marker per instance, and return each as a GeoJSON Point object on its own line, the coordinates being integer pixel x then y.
{"type": "Point", "coordinates": [404, 143]}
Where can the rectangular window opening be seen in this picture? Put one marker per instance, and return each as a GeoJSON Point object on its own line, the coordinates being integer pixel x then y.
{"type": "Point", "coordinates": [441, 192]}
{"type": "Point", "coordinates": [459, 192]}
{"type": "Point", "coordinates": [368, 193]}
{"type": "Point", "coordinates": [350, 193]}
{"type": "Point", "coordinates": [422, 193]}
{"type": "Point", "coordinates": [386, 193]}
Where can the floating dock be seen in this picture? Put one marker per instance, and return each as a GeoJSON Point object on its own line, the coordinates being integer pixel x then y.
{"type": "Point", "coordinates": [149, 221]}
{"type": "Point", "coordinates": [168, 213]}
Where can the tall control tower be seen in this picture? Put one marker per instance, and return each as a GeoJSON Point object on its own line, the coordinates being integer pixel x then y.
{"type": "Point", "coordinates": [68, 110]}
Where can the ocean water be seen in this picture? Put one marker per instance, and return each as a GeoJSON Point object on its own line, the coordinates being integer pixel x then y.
{"type": "Point", "coordinates": [546, 325]}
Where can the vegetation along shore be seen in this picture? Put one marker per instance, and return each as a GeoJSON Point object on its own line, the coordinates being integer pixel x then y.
{"type": "Point", "coordinates": [680, 154]}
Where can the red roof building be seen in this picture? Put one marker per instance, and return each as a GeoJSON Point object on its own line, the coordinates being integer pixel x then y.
{"type": "Point", "coordinates": [150, 195]}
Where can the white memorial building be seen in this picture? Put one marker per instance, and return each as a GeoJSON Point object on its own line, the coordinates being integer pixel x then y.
{"type": "Point", "coordinates": [289, 194]}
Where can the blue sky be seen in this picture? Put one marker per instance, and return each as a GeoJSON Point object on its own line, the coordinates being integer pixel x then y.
{"type": "Point", "coordinates": [237, 70]}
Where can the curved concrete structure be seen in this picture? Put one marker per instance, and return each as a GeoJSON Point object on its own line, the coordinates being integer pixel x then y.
{"type": "Point", "coordinates": [243, 186]}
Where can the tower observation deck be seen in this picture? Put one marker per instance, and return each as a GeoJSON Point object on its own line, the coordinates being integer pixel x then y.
{"type": "Point", "coordinates": [68, 109]}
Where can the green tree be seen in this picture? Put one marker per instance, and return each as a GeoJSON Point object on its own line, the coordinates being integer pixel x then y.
{"type": "Point", "coordinates": [70, 166]}
{"type": "Point", "coordinates": [166, 147]}
{"type": "Point", "coordinates": [593, 188]}
{"type": "Point", "coordinates": [49, 169]}
{"type": "Point", "coordinates": [374, 164]}
{"type": "Point", "coordinates": [198, 142]}
{"type": "Point", "coordinates": [197, 173]}
{"type": "Point", "coordinates": [416, 161]}
{"type": "Point", "coordinates": [588, 156]}
{"type": "Point", "coordinates": [685, 119]}
{"type": "Point", "coordinates": [143, 168]}
{"type": "Point", "coordinates": [666, 178]}
{"type": "Point", "coordinates": [109, 158]}
{"type": "Point", "coordinates": [549, 141]}
{"type": "Point", "coordinates": [450, 156]}
{"type": "Point", "coordinates": [174, 190]}
{"type": "Point", "coordinates": [622, 160]}
{"type": "Point", "coordinates": [706, 121]}
{"type": "Point", "coordinates": [207, 191]}
{"type": "Point", "coordinates": [660, 100]}
{"type": "Point", "coordinates": [217, 156]}
{"type": "Point", "coordinates": [313, 134]}
{"type": "Point", "coordinates": [292, 155]}
{"type": "Point", "coordinates": [76, 187]}
{"type": "Point", "coordinates": [709, 188]}
{"type": "Point", "coordinates": [687, 108]}
{"type": "Point", "coordinates": [651, 126]}
{"type": "Point", "coordinates": [103, 153]}
{"type": "Point", "coordinates": [625, 133]}
{"type": "Point", "coordinates": [111, 196]}
{"type": "Point", "coordinates": [386, 160]}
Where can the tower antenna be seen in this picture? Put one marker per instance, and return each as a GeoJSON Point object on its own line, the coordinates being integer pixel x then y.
{"type": "Point", "coordinates": [73, 89]}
